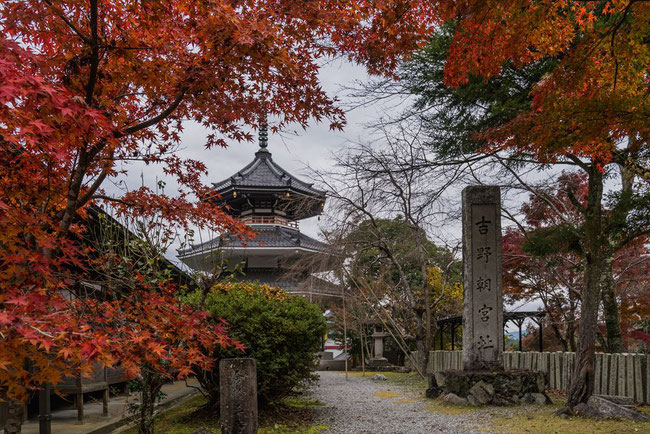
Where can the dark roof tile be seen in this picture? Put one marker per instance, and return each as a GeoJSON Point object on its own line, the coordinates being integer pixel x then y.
{"type": "Point", "coordinates": [267, 236]}
{"type": "Point", "coordinates": [265, 173]}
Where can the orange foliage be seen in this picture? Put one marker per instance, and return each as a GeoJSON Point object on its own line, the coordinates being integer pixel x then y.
{"type": "Point", "coordinates": [594, 97]}
{"type": "Point", "coordinates": [87, 85]}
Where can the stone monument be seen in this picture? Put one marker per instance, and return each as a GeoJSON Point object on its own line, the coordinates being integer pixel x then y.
{"type": "Point", "coordinates": [238, 396]}
{"type": "Point", "coordinates": [482, 292]}
{"type": "Point", "coordinates": [483, 379]}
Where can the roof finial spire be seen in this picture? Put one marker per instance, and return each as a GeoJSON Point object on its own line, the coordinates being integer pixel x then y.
{"type": "Point", "coordinates": [264, 134]}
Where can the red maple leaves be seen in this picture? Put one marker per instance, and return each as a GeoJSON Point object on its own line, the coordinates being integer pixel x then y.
{"type": "Point", "coordinates": [86, 87]}
{"type": "Point", "coordinates": [596, 95]}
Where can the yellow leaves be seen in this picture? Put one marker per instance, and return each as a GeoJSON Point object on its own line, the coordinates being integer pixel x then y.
{"type": "Point", "coordinates": [434, 277]}
{"type": "Point", "coordinates": [453, 291]}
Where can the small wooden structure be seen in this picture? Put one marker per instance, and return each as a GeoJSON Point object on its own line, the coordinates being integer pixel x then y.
{"type": "Point", "coordinates": [100, 380]}
{"type": "Point", "coordinates": [451, 324]}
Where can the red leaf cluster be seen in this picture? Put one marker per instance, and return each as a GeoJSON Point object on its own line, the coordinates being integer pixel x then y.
{"type": "Point", "coordinates": [596, 95]}
{"type": "Point", "coordinates": [87, 86]}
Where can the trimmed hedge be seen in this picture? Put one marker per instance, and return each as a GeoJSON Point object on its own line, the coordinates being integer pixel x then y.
{"type": "Point", "coordinates": [280, 331]}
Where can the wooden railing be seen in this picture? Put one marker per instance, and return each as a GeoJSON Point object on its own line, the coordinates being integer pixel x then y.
{"type": "Point", "coordinates": [615, 374]}
{"type": "Point", "coordinates": [269, 220]}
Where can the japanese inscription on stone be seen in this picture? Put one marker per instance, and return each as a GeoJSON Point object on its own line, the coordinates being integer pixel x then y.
{"type": "Point", "coordinates": [482, 297]}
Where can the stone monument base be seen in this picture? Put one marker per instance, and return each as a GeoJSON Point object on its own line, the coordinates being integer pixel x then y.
{"type": "Point", "coordinates": [378, 364]}
{"type": "Point", "coordinates": [509, 387]}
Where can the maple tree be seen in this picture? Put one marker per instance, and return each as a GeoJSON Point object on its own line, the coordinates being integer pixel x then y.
{"type": "Point", "coordinates": [554, 280]}
{"type": "Point", "coordinates": [543, 259]}
{"type": "Point", "coordinates": [88, 85]}
{"type": "Point", "coordinates": [633, 286]}
{"type": "Point", "coordinates": [162, 337]}
{"type": "Point", "coordinates": [552, 82]}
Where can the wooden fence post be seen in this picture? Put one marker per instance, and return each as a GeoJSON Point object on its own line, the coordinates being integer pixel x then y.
{"type": "Point", "coordinates": [558, 370]}
{"type": "Point", "coordinates": [638, 379]}
{"type": "Point", "coordinates": [613, 370]}
{"type": "Point", "coordinates": [598, 366]}
{"type": "Point", "coordinates": [647, 378]}
{"type": "Point", "coordinates": [620, 361]}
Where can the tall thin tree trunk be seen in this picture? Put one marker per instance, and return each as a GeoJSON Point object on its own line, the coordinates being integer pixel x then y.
{"type": "Point", "coordinates": [362, 338]}
{"type": "Point", "coordinates": [614, 340]}
{"type": "Point", "coordinates": [571, 327]}
{"type": "Point", "coordinates": [572, 338]}
{"type": "Point", "coordinates": [14, 422]}
{"type": "Point", "coordinates": [428, 337]}
{"type": "Point", "coordinates": [582, 383]}
{"type": "Point", "coordinates": [421, 345]}
{"type": "Point", "coordinates": [421, 359]}
{"type": "Point", "coordinates": [559, 336]}
{"type": "Point", "coordinates": [428, 320]}
{"type": "Point", "coordinates": [151, 385]}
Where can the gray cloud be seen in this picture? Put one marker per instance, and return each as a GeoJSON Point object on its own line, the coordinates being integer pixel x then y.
{"type": "Point", "coordinates": [292, 149]}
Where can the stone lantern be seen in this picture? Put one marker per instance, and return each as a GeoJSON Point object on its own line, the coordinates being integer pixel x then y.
{"type": "Point", "coordinates": [378, 335]}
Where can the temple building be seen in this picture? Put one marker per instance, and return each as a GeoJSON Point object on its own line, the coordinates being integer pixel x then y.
{"type": "Point", "coordinates": [271, 202]}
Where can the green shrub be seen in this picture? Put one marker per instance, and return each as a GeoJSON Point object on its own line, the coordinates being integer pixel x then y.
{"type": "Point", "coordinates": [281, 332]}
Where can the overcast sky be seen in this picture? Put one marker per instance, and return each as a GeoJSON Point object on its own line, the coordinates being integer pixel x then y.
{"type": "Point", "coordinates": [291, 151]}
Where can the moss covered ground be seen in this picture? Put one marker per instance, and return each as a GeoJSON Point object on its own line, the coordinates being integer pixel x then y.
{"type": "Point", "coordinates": [295, 415]}
{"type": "Point", "coordinates": [542, 420]}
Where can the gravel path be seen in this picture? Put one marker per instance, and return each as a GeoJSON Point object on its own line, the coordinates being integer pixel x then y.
{"type": "Point", "coordinates": [363, 405]}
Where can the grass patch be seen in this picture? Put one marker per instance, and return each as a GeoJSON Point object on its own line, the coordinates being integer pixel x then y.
{"type": "Point", "coordinates": [294, 415]}
{"type": "Point", "coordinates": [542, 420]}
{"type": "Point", "coordinates": [183, 419]}
{"type": "Point", "coordinates": [302, 403]}
{"type": "Point", "coordinates": [538, 419]}
{"type": "Point", "coordinates": [387, 394]}
{"type": "Point", "coordinates": [645, 409]}
{"type": "Point", "coordinates": [407, 401]}
{"type": "Point", "coordinates": [411, 380]}
{"type": "Point", "coordinates": [442, 407]}
{"type": "Point", "coordinates": [313, 429]}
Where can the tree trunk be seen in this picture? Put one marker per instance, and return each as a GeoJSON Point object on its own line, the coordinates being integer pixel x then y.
{"type": "Point", "coordinates": [571, 327]}
{"type": "Point", "coordinates": [582, 383]}
{"type": "Point", "coordinates": [421, 341]}
{"type": "Point", "coordinates": [151, 385]}
{"type": "Point", "coordinates": [209, 381]}
{"type": "Point", "coordinates": [428, 337]}
{"type": "Point", "coordinates": [428, 316]}
{"type": "Point", "coordinates": [14, 421]}
{"type": "Point", "coordinates": [614, 340]}
{"type": "Point", "coordinates": [571, 334]}
{"type": "Point", "coordinates": [423, 357]}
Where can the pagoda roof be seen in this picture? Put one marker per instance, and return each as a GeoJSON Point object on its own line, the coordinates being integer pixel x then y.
{"type": "Point", "coordinates": [266, 175]}
{"type": "Point", "coordinates": [268, 236]}
{"type": "Point", "coordinates": [264, 188]}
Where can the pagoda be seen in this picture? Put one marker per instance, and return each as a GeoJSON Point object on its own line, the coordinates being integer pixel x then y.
{"type": "Point", "coordinates": [271, 202]}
